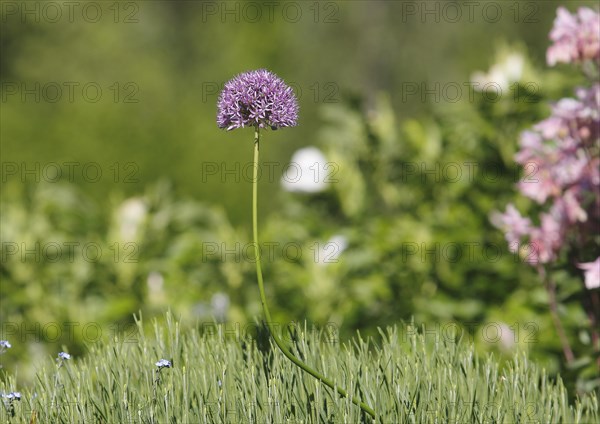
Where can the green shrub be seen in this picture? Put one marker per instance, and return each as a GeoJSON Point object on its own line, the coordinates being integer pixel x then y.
{"type": "Point", "coordinates": [215, 377]}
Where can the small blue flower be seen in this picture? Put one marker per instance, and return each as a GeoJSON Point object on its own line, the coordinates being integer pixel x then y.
{"type": "Point", "coordinates": [4, 344]}
{"type": "Point", "coordinates": [64, 356]}
{"type": "Point", "coordinates": [163, 363]}
{"type": "Point", "coordinates": [13, 396]}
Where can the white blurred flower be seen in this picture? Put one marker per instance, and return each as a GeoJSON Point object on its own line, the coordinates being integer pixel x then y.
{"type": "Point", "coordinates": [331, 251]}
{"type": "Point", "coordinates": [513, 66]}
{"type": "Point", "coordinates": [591, 273]}
{"type": "Point", "coordinates": [500, 75]}
{"type": "Point", "coordinates": [507, 336]}
{"type": "Point", "coordinates": [307, 172]}
{"type": "Point", "coordinates": [130, 217]}
{"type": "Point", "coordinates": [219, 304]}
{"type": "Point", "coordinates": [155, 282]}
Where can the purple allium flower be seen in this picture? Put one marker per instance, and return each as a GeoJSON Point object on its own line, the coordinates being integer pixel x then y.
{"type": "Point", "coordinates": [163, 363]}
{"type": "Point", "coordinates": [257, 99]}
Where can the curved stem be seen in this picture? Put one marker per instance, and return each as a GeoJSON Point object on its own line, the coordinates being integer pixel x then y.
{"type": "Point", "coordinates": [551, 289]}
{"type": "Point", "coordinates": [263, 298]}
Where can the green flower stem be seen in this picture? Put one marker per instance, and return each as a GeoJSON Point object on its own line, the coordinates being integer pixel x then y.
{"type": "Point", "coordinates": [263, 298]}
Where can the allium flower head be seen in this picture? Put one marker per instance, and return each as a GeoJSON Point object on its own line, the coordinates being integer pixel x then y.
{"type": "Point", "coordinates": [257, 99]}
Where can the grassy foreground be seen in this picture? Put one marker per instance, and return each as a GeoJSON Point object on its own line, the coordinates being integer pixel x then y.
{"type": "Point", "coordinates": [224, 378]}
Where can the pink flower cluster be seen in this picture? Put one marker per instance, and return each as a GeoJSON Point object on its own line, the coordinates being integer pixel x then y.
{"type": "Point", "coordinates": [561, 161]}
{"type": "Point", "coordinates": [561, 167]}
{"type": "Point", "coordinates": [576, 37]}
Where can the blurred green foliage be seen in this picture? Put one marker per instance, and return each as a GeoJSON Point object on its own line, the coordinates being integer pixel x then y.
{"type": "Point", "coordinates": [156, 220]}
{"type": "Point", "coordinates": [175, 55]}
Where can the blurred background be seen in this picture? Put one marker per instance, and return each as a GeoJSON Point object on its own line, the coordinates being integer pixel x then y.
{"type": "Point", "coordinates": [121, 195]}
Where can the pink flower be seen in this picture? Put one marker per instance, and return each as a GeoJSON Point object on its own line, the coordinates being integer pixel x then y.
{"type": "Point", "coordinates": [530, 143]}
{"type": "Point", "coordinates": [589, 33]}
{"type": "Point", "coordinates": [554, 156]}
{"type": "Point", "coordinates": [513, 224]}
{"type": "Point", "coordinates": [557, 125]}
{"type": "Point", "coordinates": [538, 183]}
{"type": "Point", "coordinates": [560, 157]}
{"type": "Point", "coordinates": [569, 169]}
{"type": "Point", "coordinates": [576, 37]}
{"type": "Point", "coordinates": [546, 240]}
{"type": "Point", "coordinates": [589, 116]}
{"type": "Point", "coordinates": [570, 116]}
{"type": "Point", "coordinates": [569, 207]}
{"type": "Point", "coordinates": [591, 273]}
